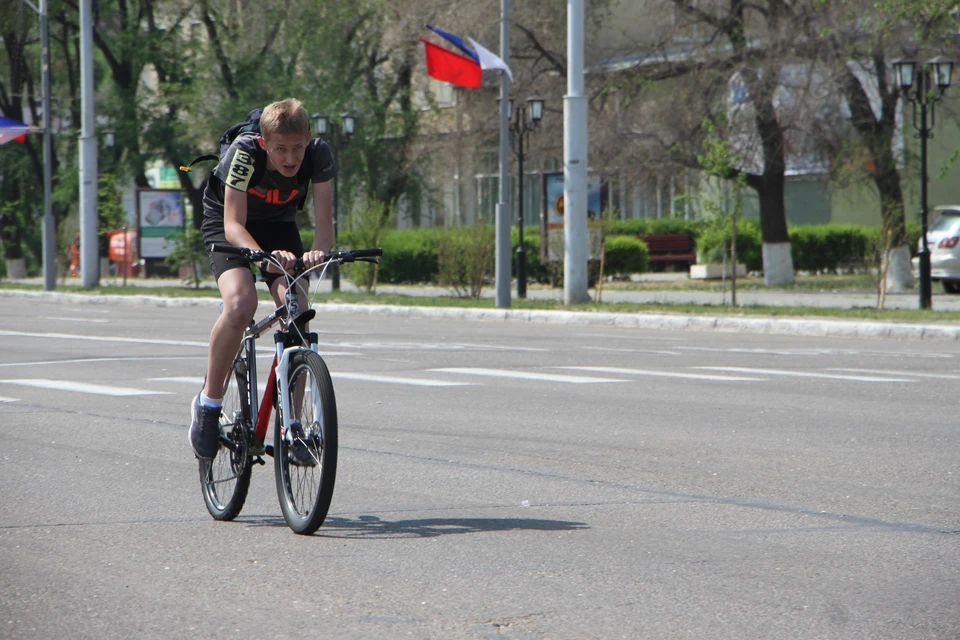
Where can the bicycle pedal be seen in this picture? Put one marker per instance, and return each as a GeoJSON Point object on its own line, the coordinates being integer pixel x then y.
{"type": "Point", "coordinates": [268, 450]}
{"type": "Point", "coordinates": [259, 460]}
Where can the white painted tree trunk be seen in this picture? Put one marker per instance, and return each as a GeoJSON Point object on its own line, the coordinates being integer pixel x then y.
{"type": "Point", "coordinates": [777, 263]}
{"type": "Point", "coordinates": [16, 268]}
{"type": "Point", "coordinates": [899, 270]}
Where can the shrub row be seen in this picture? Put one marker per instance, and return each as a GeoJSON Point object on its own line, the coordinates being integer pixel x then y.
{"type": "Point", "coordinates": [410, 255]}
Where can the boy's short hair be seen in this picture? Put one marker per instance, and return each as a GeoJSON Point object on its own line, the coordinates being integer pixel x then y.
{"type": "Point", "coordinates": [285, 116]}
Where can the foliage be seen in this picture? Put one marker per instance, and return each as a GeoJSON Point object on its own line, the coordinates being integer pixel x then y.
{"type": "Point", "coordinates": [624, 255]}
{"type": "Point", "coordinates": [409, 256]}
{"type": "Point", "coordinates": [364, 230]}
{"type": "Point", "coordinates": [465, 259]}
{"type": "Point", "coordinates": [749, 244]}
{"type": "Point", "coordinates": [827, 248]}
{"type": "Point", "coordinates": [189, 250]}
{"type": "Point", "coordinates": [110, 209]}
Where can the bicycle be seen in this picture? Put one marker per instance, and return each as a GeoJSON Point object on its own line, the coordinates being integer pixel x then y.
{"type": "Point", "coordinates": [299, 392]}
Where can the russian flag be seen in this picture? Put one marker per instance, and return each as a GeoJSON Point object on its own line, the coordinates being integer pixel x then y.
{"type": "Point", "coordinates": [12, 130]}
{"type": "Point", "coordinates": [449, 64]}
{"type": "Point", "coordinates": [451, 67]}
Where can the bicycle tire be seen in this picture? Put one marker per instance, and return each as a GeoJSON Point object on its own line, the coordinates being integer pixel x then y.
{"type": "Point", "coordinates": [305, 492]}
{"type": "Point", "coordinates": [225, 480]}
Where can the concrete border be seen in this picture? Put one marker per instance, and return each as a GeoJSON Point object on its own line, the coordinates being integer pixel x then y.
{"type": "Point", "coordinates": [764, 325]}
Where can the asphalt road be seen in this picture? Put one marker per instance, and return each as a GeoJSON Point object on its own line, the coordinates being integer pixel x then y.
{"type": "Point", "coordinates": [496, 480]}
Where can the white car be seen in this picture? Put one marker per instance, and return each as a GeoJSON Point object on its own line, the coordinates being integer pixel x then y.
{"type": "Point", "coordinates": [943, 239]}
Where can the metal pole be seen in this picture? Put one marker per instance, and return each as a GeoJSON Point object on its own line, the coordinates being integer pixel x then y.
{"type": "Point", "coordinates": [575, 163]}
{"type": "Point", "coordinates": [49, 224]}
{"type": "Point", "coordinates": [502, 277]}
{"type": "Point", "coordinates": [335, 277]}
{"type": "Point", "coordinates": [521, 249]}
{"type": "Point", "coordinates": [89, 244]}
{"type": "Point", "coordinates": [925, 288]}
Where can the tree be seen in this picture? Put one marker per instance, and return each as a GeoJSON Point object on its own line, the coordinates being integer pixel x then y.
{"type": "Point", "coordinates": [862, 39]}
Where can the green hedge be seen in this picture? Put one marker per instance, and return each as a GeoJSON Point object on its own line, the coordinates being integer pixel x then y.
{"type": "Point", "coordinates": [410, 255]}
{"type": "Point", "coordinates": [827, 247]}
{"type": "Point", "coordinates": [749, 245]}
{"type": "Point", "coordinates": [624, 255]}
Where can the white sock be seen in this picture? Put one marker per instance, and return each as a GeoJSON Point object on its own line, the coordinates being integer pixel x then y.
{"type": "Point", "coordinates": [211, 403]}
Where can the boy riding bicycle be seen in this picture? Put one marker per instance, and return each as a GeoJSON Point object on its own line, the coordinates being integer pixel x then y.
{"type": "Point", "coordinates": [251, 201]}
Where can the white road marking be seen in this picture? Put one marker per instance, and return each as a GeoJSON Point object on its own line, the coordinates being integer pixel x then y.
{"type": "Point", "coordinates": [70, 336]}
{"type": "Point", "coordinates": [619, 350]}
{"type": "Point", "coordinates": [5, 400]}
{"type": "Point", "coordinates": [419, 382]}
{"type": "Point", "coordinates": [942, 376]}
{"type": "Point", "coordinates": [75, 319]}
{"type": "Point", "coordinates": [802, 374]}
{"type": "Point", "coordinates": [81, 360]}
{"type": "Point", "coordinates": [183, 379]}
{"type": "Point", "coordinates": [664, 374]}
{"type": "Point", "coordinates": [524, 375]}
{"type": "Point", "coordinates": [82, 387]}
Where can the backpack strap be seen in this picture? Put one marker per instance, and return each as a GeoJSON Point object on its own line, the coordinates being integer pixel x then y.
{"type": "Point", "coordinates": [188, 168]}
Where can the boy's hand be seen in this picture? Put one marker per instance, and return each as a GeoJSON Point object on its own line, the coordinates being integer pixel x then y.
{"type": "Point", "coordinates": [287, 259]}
{"type": "Point", "coordinates": [313, 258]}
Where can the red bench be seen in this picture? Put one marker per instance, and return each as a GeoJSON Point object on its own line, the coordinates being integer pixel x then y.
{"type": "Point", "coordinates": [670, 247]}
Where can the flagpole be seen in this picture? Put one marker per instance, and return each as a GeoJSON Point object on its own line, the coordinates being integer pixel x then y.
{"type": "Point", "coordinates": [503, 253]}
{"type": "Point", "coordinates": [49, 224]}
{"type": "Point", "coordinates": [49, 227]}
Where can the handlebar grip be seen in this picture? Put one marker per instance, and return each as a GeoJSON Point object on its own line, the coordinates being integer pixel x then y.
{"type": "Point", "coordinates": [228, 248]}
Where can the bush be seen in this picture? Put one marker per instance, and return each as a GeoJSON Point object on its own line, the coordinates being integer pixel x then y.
{"type": "Point", "coordinates": [189, 250]}
{"type": "Point", "coordinates": [465, 259]}
{"type": "Point", "coordinates": [409, 256]}
{"type": "Point", "coordinates": [625, 254]}
{"type": "Point", "coordinates": [365, 229]}
{"type": "Point", "coordinates": [828, 247]}
{"type": "Point", "coordinates": [749, 245]}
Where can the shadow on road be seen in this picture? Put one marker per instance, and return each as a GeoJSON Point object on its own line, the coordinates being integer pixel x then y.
{"type": "Point", "coordinates": [375, 527]}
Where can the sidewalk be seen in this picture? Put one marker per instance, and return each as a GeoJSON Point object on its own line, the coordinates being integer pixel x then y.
{"type": "Point", "coordinates": [673, 321]}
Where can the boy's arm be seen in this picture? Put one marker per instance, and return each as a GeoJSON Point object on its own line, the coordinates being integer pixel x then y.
{"type": "Point", "coordinates": [235, 219]}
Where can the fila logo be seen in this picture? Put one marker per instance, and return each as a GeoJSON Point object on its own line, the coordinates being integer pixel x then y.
{"type": "Point", "coordinates": [272, 196]}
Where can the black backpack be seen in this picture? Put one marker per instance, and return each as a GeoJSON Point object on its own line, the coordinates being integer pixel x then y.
{"type": "Point", "coordinates": [250, 125]}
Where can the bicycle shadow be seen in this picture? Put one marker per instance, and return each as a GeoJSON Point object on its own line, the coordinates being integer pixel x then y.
{"type": "Point", "coordinates": [375, 527]}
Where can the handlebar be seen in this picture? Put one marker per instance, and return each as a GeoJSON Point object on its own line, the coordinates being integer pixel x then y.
{"type": "Point", "coordinates": [353, 255]}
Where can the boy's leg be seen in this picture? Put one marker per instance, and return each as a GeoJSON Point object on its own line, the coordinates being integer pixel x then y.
{"type": "Point", "coordinates": [239, 306]}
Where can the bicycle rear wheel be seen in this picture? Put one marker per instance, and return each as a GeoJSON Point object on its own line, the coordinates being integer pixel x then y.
{"type": "Point", "coordinates": [226, 479]}
{"type": "Point", "coordinates": [306, 460]}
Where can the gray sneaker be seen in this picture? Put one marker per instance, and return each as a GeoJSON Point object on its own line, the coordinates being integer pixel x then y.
{"type": "Point", "coordinates": [204, 430]}
{"type": "Point", "coordinates": [300, 455]}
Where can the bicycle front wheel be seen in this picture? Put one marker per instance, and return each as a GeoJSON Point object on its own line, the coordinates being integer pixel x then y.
{"type": "Point", "coordinates": [306, 456]}
{"type": "Point", "coordinates": [226, 479]}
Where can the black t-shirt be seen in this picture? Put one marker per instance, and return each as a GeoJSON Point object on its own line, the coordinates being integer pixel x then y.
{"type": "Point", "coordinates": [271, 196]}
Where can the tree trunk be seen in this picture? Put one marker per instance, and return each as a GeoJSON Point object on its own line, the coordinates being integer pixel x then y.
{"type": "Point", "coordinates": [777, 261]}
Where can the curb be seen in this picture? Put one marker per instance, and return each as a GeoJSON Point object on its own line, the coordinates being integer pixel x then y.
{"type": "Point", "coordinates": [762, 325]}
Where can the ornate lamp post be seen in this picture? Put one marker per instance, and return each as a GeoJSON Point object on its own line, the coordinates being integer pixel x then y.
{"type": "Point", "coordinates": [336, 139]}
{"type": "Point", "coordinates": [526, 120]}
{"type": "Point", "coordinates": [920, 91]}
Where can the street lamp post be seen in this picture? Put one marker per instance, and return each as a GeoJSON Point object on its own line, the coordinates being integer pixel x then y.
{"type": "Point", "coordinates": [919, 91]}
{"type": "Point", "coordinates": [49, 229]}
{"type": "Point", "coordinates": [520, 127]}
{"type": "Point", "coordinates": [323, 125]}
